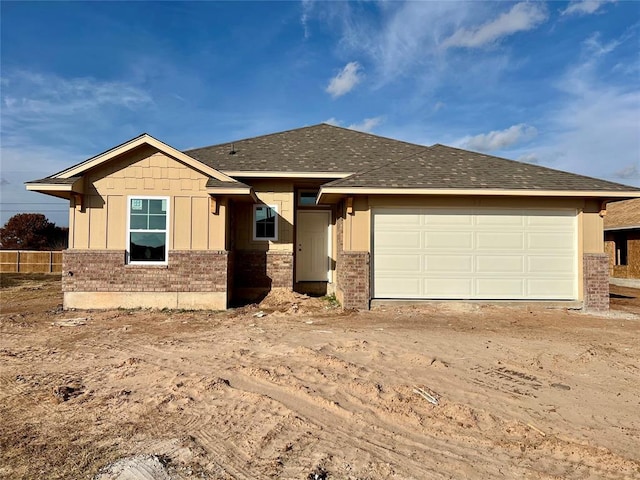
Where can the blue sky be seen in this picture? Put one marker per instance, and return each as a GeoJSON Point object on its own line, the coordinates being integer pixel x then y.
{"type": "Point", "coordinates": [556, 83]}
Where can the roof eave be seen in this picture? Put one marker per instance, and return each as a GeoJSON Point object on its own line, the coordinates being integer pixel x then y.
{"type": "Point", "coordinates": [143, 139]}
{"type": "Point", "coordinates": [329, 194]}
{"type": "Point", "coordinates": [275, 174]}
{"type": "Point", "coordinates": [56, 189]}
{"type": "Point", "coordinates": [243, 193]}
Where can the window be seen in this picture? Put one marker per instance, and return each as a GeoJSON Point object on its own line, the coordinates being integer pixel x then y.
{"type": "Point", "coordinates": [307, 198]}
{"type": "Point", "coordinates": [147, 232]}
{"type": "Point", "coordinates": [620, 240]}
{"type": "Point", "coordinates": [265, 222]}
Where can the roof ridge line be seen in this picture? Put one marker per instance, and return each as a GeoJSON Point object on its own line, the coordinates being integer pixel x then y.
{"type": "Point", "coordinates": [375, 135]}
{"type": "Point", "coordinates": [304, 128]}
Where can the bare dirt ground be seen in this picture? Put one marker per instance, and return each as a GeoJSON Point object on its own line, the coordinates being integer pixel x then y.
{"type": "Point", "coordinates": [311, 392]}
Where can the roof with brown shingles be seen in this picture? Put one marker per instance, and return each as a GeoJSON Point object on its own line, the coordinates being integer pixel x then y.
{"type": "Point", "coordinates": [442, 167]}
{"type": "Point", "coordinates": [377, 162]}
{"type": "Point", "coordinates": [319, 148]}
{"type": "Point", "coordinates": [623, 215]}
{"type": "Point", "coordinates": [215, 183]}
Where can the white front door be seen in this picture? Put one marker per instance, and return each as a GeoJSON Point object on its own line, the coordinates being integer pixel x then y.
{"type": "Point", "coordinates": [312, 246]}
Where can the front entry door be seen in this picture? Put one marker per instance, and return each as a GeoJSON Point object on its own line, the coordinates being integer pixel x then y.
{"type": "Point", "coordinates": [312, 247]}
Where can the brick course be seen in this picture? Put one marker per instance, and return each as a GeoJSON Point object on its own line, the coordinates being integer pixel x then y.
{"type": "Point", "coordinates": [106, 271]}
{"type": "Point", "coordinates": [260, 269]}
{"type": "Point", "coordinates": [353, 279]}
{"type": "Point", "coordinates": [596, 281]}
{"type": "Point", "coordinates": [352, 273]}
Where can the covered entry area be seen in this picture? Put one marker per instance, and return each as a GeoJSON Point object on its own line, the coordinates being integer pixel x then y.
{"type": "Point", "coordinates": [479, 253]}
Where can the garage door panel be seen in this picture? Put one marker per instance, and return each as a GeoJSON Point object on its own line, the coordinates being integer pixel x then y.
{"type": "Point", "coordinates": [481, 253]}
{"type": "Point", "coordinates": [500, 288]}
{"type": "Point", "coordinates": [497, 220]}
{"type": "Point", "coordinates": [551, 288]}
{"type": "Point", "coordinates": [549, 241]}
{"type": "Point", "coordinates": [549, 263]}
{"type": "Point", "coordinates": [400, 287]}
{"type": "Point", "coordinates": [398, 242]}
{"type": "Point", "coordinates": [448, 288]}
{"type": "Point", "coordinates": [448, 240]}
{"type": "Point", "coordinates": [397, 221]}
{"type": "Point", "coordinates": [401, 263]}
{"type": "Point", "coordinates": [445, 217]}
{"type": "Point", "coordinates": [499, 241]}
{"type": "Point", "coordinates": [542, 219]}
{"type": "Point", "coordinates": [448, 263]}
{"type": "Point", "coordinates": [486, 264]}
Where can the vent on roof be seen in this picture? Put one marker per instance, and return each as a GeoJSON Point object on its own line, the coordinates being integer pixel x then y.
{"type": "Point", "coordinates": [233, 150]}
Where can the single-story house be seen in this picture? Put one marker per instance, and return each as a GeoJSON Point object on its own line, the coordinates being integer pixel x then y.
{"type": "Point", "coordinates": [364, 216]}
{"type": "Point", "coordinates": [622, 242]}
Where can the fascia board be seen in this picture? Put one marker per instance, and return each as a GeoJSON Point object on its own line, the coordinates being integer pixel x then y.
{"type": "Point", "coordinates": [136, 142]}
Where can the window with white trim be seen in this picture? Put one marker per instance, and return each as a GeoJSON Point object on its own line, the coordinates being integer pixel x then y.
{"type": "Point", "coordinates": [147, 230]}
{"type": "Point", "coordinates": [265, 222]}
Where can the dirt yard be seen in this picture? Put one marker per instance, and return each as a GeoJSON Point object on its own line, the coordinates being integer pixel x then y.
{"type": "Point", "coordinates": [304, 390]}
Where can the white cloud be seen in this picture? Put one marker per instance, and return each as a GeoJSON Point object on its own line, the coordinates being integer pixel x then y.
{"type": "Point", "coordinates": [630, 172]}
{"type": "Point", "coordinates": [521, 17]}
{"type": "Point", "coordinates": [39, 107]}
{"type": "Point", "coordinates": [594, 128]}
{"type": "Point", "coordinates": [49, 122]}
{"type": "Point", "coordinates": [403, 40]}
{"type": "Point", "coordinates": [367, 125]}
{"type": "Point", "coordinates": [345, 80]}
{"type": "Point", "coordinates": [36, 95]}
{"type": "Point", "coordinates": [584, 7]}
{"type": "Point", "coordinates": [529, 158]}
{"type": "Point", "coordinates": [307, 7]}
{"type": "Point", "coordinates": [499, 139]}
{"type": "Point", "coordinates": [438, 106]}
{"type": "Point", "coordinates": [594, 46]}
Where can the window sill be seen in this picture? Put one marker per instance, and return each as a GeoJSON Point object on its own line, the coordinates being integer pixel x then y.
{"type": "Point", "coordinates": [147, 265]}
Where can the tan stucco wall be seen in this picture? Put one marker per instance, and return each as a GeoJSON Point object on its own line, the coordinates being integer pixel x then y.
{"type": "Point", "coordinates": [101, 221]}
{"type": "Point", "coordinates": [592, 227]}
{"type": "Point", "coordinates": [357, 227]}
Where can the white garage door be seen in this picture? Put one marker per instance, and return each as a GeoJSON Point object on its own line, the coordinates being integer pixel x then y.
{"type": "Point", "coordinates": [474, 254]}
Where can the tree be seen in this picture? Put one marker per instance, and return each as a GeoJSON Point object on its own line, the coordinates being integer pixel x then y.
{"type": "Point", "coordinates": [32, 231]}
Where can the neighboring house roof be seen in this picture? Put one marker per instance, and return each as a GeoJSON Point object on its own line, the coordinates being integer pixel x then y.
{"type": "Point", "coordinates": [317, 149]}
{"type": "Point", "coordinates": [439, 167]}
{"type": "Point", "coordinates": [622, 215]}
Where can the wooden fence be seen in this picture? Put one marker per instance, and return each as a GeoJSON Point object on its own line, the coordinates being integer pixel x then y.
{"type": "Point", "coordinates": [29, 261]}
